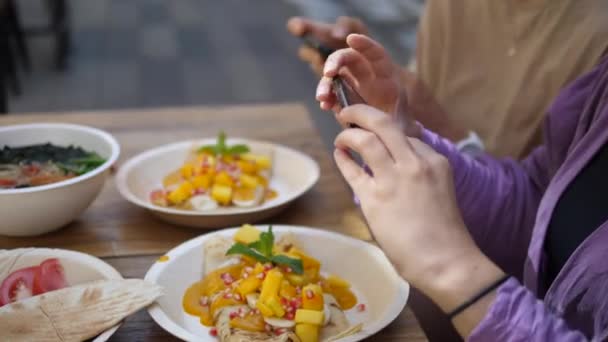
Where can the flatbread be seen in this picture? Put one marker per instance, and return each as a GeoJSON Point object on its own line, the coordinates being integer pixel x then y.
{"type": "Point", "coordinates": [214, 253]}
{"type": "Point", "coordinates": [75, 313]}
{"type": "Point", "coordinates": [8, 260]}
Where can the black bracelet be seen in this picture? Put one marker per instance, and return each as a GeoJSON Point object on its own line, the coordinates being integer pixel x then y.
{"type": "Point", "coordinates": [478, 296]}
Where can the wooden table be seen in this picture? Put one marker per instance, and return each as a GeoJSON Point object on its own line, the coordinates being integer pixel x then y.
{"type": "Point", "coordinates": [131, 239]}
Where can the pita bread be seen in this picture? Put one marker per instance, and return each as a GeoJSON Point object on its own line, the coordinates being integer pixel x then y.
{"type": "Point", "coordinates": [75, 313]}
{"type": "Point", "coordinates": [9, 258]}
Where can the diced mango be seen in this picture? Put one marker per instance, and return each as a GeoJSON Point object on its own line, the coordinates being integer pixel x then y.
{"type": "Point", "coordinates": [297, 280]}
{"type": "Point", "coordinates": [344, 296]}
{"type": "Point", "coordinates": [312, 297]}
{"type": "Point", "coordinates": [247, 166]}
{"type": "Point", "coordinates": [249, 285]}
{"type": "Point", "coordinates": [187, 170]}
{"type": "Point", "coordinates": [221, 194]}
{"type": "Point", "coordinates": [263, 181]}
{"type": "Point", "coordinates": [202, 181]}
{"type": "Point", "coordinates": [312, 274]}
{"type": "Point", "coordinates": [287, 290]}
{"type": "Point", "coordinates": [212, 282]}
{"type": "Point", "coordinates": [264, 309]}
{"type": "Point", "coordinates": [247, 234]}
{"type": "Point", "coordinates": [223, 178]}
{"type": "Point", "coordinates": [258, 268]}
{"type": "Point", "coordinates": [271, 284]}
{"type": "Point", "coordinates": [262, 162]}
{"type": "Point", "coordinates": [248, 181]}
{"type": "Point", "coordinates": [307, 332]}
{"type": "Point", "coordinates": [309, 316]}
{"type": "Point", "coordinates": [335, 281]}
{"type": "Point", "coordinates": [275, 305]}
{"type": "Point", "coordinates": [181, 194]}
{"type": "Point", "coordinates": [254, 323]}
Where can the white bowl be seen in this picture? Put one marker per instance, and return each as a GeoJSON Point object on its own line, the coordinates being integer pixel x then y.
{"type": "Point", "coordinates": [293, 174]}
{"type": "Point", "coordinates": [365, 266]}
{"type": "Point", "coordinates": [41, 209]}
{"type": "Point", "coordinates": [79, 268]}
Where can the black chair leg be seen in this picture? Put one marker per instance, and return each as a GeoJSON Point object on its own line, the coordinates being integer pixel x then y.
{"type": "Point", "coordinates": [18, 34]}
{"type": "Point", "coordinates": [3, 68]}
{"type": "Point", "coordinates": [60, 25]}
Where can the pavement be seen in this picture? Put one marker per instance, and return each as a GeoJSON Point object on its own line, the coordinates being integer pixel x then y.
{"type": "Point", "coordinates": [155, 53]}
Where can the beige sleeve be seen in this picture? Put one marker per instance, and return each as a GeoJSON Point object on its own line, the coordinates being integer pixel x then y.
{"type": "Point", "coordinates": [429, 42]}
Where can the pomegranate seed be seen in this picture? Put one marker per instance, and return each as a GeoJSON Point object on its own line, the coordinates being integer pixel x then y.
{"type": "Point", "coordinates": [255, 311]}
{"type": "Point", "coordinates": [288, 270]}
{"type": "Point", "coordinates": [245, 275]}
{"type": "Point", "coordinates": [242, 314]}
{"type": "Point", "coordinates": [213, 332]}
{"type": "Point", "coordinates": [237, 297]}
{"type": "Point", "coordinates": [267, 267]}
{"type": "Point", "coordinates": [249, 269]}
{"type": "Point", "coordinates": [204, 301]}
{"type": "Point", "coordinates": [310, 294]}
{"type": "Point", "coordinates": [283, 301]}
{"type": "Point", "coordinates": [228, 295]}
{"type": "Point", "coordinates": [279, 331]}
{"type": "Point", "coordinates": [361, 307]}
{"type": "Point", "coordinates": [289, 309]}
{"type": "Point", "coordinates": [298, 290]}
{"type": "Point", "coordinates": [233, 315]}
{"type": "Point", "coordinates": [261, 276]}
{"type": "Point", "coordinates": [290, 316]}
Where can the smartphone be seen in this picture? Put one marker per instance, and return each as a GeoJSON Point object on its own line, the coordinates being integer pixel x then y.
{"type": "Point", "coordinates": [312, 42]}
{"type": "Point", "coordinates": [346, 95]}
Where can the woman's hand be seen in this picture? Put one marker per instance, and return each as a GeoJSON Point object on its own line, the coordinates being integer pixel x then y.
{"type": "Point", "coordinates": [411, 208]}
{"type": "Point", "coordinates": [369, 69]}
{"type": "Point", "coordinates": [332, 35]}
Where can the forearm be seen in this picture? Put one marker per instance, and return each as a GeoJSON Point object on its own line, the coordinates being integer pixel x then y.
{"type": "Point", "coordinates": [498, 200]}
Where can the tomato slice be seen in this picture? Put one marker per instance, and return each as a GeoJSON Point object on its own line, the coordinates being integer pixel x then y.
{"type": "Point", "coordinates": [18, 285]}
{"type": "Point", "coordinates": [50, 277]}
{"type": "Point", "coordinates": [5, 182]}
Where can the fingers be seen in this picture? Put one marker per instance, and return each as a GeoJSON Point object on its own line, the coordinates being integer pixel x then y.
{"type": "Point", "coordinates": [325, 94]}
{"type": "Point", "coordinates": [347, 25]}
{"type": "Point", "coordinates": [354, 61]}
{"type": "Point", "coordinates": [312, 57]}
{"type": "Point", "coordinates": [299, 27]}
{"type": "Point", "coordinates": [354, 175]}
{"type": "Point", "coordinates": [386, 127]}
{"type": "Point", "coordinates": [370, 147]}
{"type": "Point", "coordinates": [373, 52]}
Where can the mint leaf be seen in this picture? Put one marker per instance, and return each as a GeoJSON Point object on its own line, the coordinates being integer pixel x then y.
{"type": "Point", "coordinates": [238, 149]}
{"type": "Point", "coordinates": [295, 264]}
{"type": "Point", "coordinates": [265, 243]}
{"type": "Point", "coordinates": [239, 248]}
{"type": "Point", "coordinates": [221, 143]}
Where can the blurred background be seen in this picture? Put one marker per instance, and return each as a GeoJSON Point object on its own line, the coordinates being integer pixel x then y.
{"type": "Point", "coordinates": [68, 55]}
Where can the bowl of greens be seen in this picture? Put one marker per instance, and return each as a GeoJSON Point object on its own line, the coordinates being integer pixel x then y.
{"type": "Point", "coordinates": [50, 173]}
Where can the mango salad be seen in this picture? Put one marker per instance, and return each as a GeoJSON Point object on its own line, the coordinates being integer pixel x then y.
{"type": "Point", "coordinates": [217, 176]}
{"type": "Point", "coordinates": [271, 292]}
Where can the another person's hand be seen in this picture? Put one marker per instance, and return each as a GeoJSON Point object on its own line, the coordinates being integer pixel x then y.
{"type": "Point", "coordinates": [411, 208]}
{"type": "Point", "coordinates": [332, 35]}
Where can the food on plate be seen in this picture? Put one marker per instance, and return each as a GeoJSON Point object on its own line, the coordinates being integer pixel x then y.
{"type": "Point", "coordinates": [75, 313]}
{"type": "Point", "coordinates": [259, 289]}
{"type": "Point", "coordinates": [35, 165]}
{"type": "Point", "coordinates": [216, 176]}
{"type": "Point", "coordinates": [30, 281]}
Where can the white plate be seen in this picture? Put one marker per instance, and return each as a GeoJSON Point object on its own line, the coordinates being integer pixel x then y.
{"type": "Point", "coordinates": [365, 266]}
{"type": "Point", "coordinates": [79, 268]}
{"type": "Point", "coordinates": [293, 174]}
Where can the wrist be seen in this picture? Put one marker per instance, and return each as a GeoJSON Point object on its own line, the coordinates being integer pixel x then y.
{"type": "Point", "coordinates": [460, 278]}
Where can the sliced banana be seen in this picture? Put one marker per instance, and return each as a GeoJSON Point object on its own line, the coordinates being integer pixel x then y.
{"type": "Point", "coordinates": [329, 300]}
{"type": "Point", "coordinates": [252, 299]}
{"type": "Point", "coordinates": [280, 323]}
{"type": "Point", "coordinates": [203, 203]}
{"type": "Point", "coordinates": [258, 195]}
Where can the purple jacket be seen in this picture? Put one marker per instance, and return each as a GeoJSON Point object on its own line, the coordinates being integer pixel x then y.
{"type": "Point", "coordinates": [507, 206]}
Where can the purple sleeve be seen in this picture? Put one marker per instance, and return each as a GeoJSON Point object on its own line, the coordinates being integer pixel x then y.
{"type": "Point", "coordinates": [498, 200]}
{"type": "Point", "coordinates": [517, 315]}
